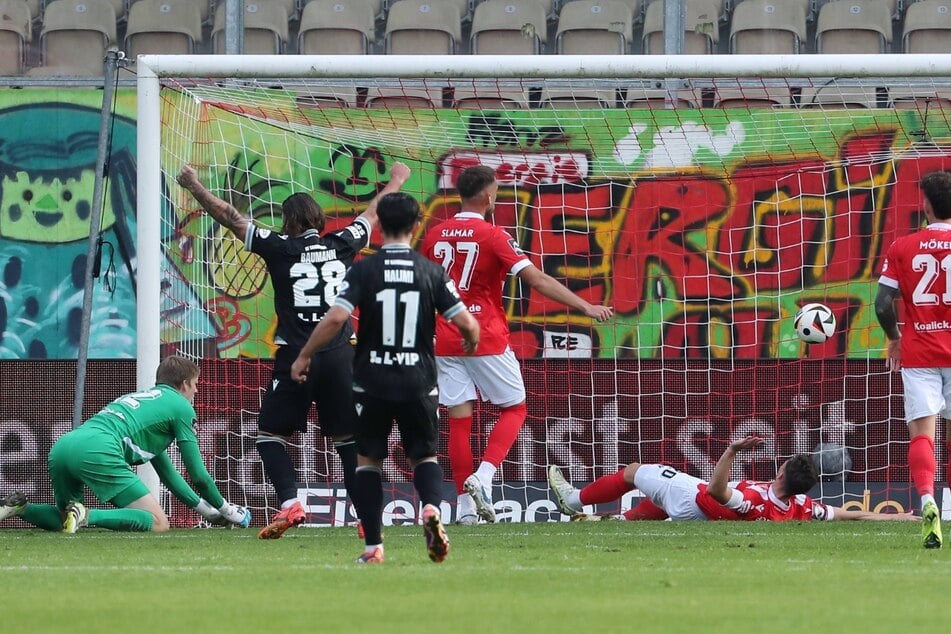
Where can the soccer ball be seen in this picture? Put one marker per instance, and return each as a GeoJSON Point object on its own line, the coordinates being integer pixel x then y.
{"type": "Point", "coordinates": [814, 323]}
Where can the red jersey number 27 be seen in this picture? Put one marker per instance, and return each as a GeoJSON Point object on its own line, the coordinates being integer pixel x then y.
{"type": "Point", "coordinates": [448, 253]}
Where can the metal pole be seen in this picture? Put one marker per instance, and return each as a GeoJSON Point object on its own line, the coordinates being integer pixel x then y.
{"type": "Point", "coordinates": [234, 27]}
{"type": "Point", "coordinates": [674, 20]}
{"type": "Point", "coordinates": [109, 79]}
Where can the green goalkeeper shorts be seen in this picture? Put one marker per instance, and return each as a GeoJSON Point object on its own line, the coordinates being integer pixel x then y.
{"type": "Point", "coordinates": [89, 457]}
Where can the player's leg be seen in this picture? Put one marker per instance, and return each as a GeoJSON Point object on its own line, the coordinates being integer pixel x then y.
{"type": "Point", "coordinates": [605, 489]}
{"type": "Point", "coordinates": [499, 380]}
{"type": "Point", "coordinates": [374, 423]}
{"type": "Point", "coordinates": [333, 394]}
{"type": "Point", "coordinates": [65, 487]}
{"type": "Point", "coordinates": [457, 392]}
{"type": "Point", "coordinates": [924, 399]}
{"type": "Point", "coordinates": [283, 413]}
{"type": "Point", "coordinates": [418, 423]}
{"type": "Point", "coordinates": [671, 490]}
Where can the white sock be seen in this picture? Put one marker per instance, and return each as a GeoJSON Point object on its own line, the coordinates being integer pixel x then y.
{"type": "Point", "coordinates": [574, 500]}
{"type": "Point", "coordinates": [465, 505]}
{"type": "Point", "coordinates": [370, 549]}
{"type": "Point", "coordinates": [286, 504]}
{"type": "Point", "coordinates": [486, 473]}
{"type": "Point", "coordinates": [927, 497]}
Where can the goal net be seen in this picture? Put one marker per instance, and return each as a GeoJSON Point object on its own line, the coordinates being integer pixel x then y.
{"type": "Point", "coordinates": [704, 198]}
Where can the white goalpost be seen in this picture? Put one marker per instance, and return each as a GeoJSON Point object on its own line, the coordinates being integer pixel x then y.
{"type": "Point", "coordinates": [704, 197]}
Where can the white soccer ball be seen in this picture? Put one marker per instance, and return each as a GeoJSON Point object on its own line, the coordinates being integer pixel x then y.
{"type": "Point", "coordinates": [814, 323]}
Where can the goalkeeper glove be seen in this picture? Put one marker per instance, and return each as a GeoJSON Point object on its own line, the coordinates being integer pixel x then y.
{"type": "Point", "coordinates": [238, 515]}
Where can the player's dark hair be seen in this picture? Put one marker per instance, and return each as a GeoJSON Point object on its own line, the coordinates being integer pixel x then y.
{"type": "Point", "coordinates": [176, 370]}
{"type": "Point", "coordinates": [473, 180]}
{"type": "Point", "coordinates": [936, 187]}
{"type": "Point", "coordinates": [801, 474]}
{"type": "Point", "coordinates": [397, 213]}
{"type": "Point", "coordinates": [301, 212]}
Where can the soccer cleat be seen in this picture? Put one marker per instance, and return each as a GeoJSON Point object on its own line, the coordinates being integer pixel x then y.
{"type": "Point", "coordinates": [373, 557]}
{"type": "Point", "coordinates": [467, 520]}
{"type": "Point", "coordinates": [590, 517]}
{"type": "Point", "coordinates": [286, 518]}
{"type": "Point", "coordinates": [75, 517]}
{"type": "Point", "coordinates": [562, 490]}
{"type": "Point", "coordinates": [437, 543]}
{"type": "Point", "coordinates": [482, 496]}
{"type": "Point", "coordinates": [931, 525]}
{"type": "Point", "coordinates": [12, 505]}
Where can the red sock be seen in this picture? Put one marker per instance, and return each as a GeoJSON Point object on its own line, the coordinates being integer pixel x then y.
{"type": "Point", "coordinates": [605, 489]}
{"type": "Point", "coordinates": [504, 433]}
{"type": "Point", "coordinates": [922, 464]}
{"type": "Point", "coordinates": [460, 450]}
{"type": "Point", "coordinates": [646, 510]}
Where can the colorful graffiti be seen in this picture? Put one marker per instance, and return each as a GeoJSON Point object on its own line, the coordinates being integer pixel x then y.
{"type": "Point", "coordinates": [703, 228]}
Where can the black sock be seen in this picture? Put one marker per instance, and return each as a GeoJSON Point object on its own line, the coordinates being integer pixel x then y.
{"type": "Point", "coordinates": [278, 467]}
{"type": "Point", "coordinates": [427, 478]}
{"type": "Point", "coordinates": [367, 498]}
{"type": "Point", "coordinates": [347, 450]}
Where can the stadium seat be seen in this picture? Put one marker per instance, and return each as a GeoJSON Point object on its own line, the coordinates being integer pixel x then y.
{"type": "Point", "coordinates": [854, 26]}
{"type": "Point", "coordinates": [422, 27]}
{"type": "Point", "coordinates": [594, 27]}
{"type": "Point", "coordinates": [15, 35]}
{"type": "Point", "coordinates": [579, 98]}
{"type": "Point", "coordinates": [701, 27]}
{"type": "Point", "coordinates": [514, 27]}
{"type": "Point", "coordinates": [202, 5]}
{"type": "Point", "coordinates": [656, 98]}
{"type": "Point", "coordinates": [36, 9]}
{"type": "Point", "coordinates": [265, 28]}
{"type": "Point", "coordinates": [327, 96]}
{"type": "Point", "coordinates": [927, 27]}
{"type": "Point", "coordinates": [339, 27]}
{"type": "Point", "coordinates": [119, 6]}
{"type": "Point", "coordinates": [921, 98]}
{"type": "Point", "coordinates": [836, 96]}
{"type": "Point", "coordinates": [74, 37]}
{"type": "Point", "coordinates": [767, 26]}
{"type": "Point", "coordinates": [161, 26]}
{"type": "Point", "coordinates": [403, 97]}
{"type": "Point", "coordinates": [752, 97]}
{"type": "Point", "coordinates": [483, 97]}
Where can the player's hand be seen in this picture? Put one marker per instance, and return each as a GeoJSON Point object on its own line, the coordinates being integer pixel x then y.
{"type": "Point", "coordinates": [747, 443]}
{"type": "Point", "coordinates": [299, 369]}
{"type": "Point", "coordinates": [469, 344]}
{"type": "Point", "coordinates": [599, 313]}
{"type": "Point", "coordinates": [399, 172]}
{"type": "Point", "coordinates": [237, 515]}
{"type": "Point", "coordinates": [187, 177]}
{"type": "Point", "coordinates": [893, 349]}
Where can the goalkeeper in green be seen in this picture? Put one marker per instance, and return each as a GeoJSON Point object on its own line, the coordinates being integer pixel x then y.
{"type": "Point", "coordinates": [134, 429]}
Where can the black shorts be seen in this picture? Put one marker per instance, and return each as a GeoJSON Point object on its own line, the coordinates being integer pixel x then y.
{"type": "Point", "coordinates": [329, 385]}
{"type": "Point", "coordinates": [417, 421]}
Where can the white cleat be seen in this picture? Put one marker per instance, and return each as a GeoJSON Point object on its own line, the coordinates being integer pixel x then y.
{"type": "Point", "coordinates": [482, 496]}
{"type": "Point", "coordinates": [562, 490]}
{"type": "Point", "coordinates": [12, 505]}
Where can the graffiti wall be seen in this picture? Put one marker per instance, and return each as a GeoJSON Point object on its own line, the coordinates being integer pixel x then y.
{"type": "Point", "coordinates": [705, 229]}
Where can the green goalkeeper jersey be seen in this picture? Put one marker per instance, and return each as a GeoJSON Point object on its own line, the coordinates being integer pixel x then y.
{"type": "Point", "coordinates": [145, 424]}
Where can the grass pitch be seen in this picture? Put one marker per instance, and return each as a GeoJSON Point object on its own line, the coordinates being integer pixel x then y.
{"type": "Point", "coordinates": [554, 577]}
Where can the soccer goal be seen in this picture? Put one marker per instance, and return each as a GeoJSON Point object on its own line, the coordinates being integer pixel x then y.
{"type": "Point", "coordinates": [706, 198]}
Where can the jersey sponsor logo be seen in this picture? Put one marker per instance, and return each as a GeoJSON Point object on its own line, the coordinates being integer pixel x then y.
{"type": "Point", "coordinates": [928, 326]}
{"type": "Point", "coordinates": [394, 358]}
{"type": "Point", "coordinates": [515, 247]}
{"type": "Point", "coordinates": [475, 309]}
{"type": "Point", "coordinates": [263, 233]}
{"type": "Point", "coordinates": [274, 384]}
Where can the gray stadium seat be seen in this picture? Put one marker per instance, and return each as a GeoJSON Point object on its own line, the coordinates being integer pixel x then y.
{"type": "Point", "coordinates": [701, 27]}
{"type": "Point", "coordinates": [74, 37]}
{"type": "Point", "coordinates": [767, 26]}
{"type": "Point", "coordinates": [202, 5]}
{"type": "Point", "coordinates": [854, 26]}
{"type": "Point", "coordinates": [15, 35]}
{"type": "Point", "coordinates": [927, 27]}
{"type": "Point", "coordinates": [265, 28]}
{"type": "Point", "coordinates": [515, 27]}
{"type": "Point", "coordinates": [339, 27]}
{"type": "Point", "coordinates": [601, 27]}
{"type": "Point", "coordinates": [161, 26]}
{"type": "Point", "coordinates": [422, 27]}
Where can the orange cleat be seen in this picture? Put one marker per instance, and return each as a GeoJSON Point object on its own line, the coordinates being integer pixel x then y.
{"type": "Point", "coordinates": [373, 557]}
{"type": "Point", "coordinates": [286, 518]}
{"type": "Point", "coordinates": [437, 543]}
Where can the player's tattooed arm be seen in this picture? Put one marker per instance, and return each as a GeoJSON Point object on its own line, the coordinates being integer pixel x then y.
{"type": "Point", "coordinates": [220, 210]}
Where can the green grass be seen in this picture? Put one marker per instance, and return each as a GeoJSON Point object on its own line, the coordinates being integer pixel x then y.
{"type": "Point", "coordinates": [556, 577]}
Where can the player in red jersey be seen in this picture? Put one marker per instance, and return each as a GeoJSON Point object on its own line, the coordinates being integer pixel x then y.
{"type": "Point", "coordinates": [478, 256]}
{"type": "Point", "coordinates": [679, 496]}
{"type": "Point", "coordinates": [917, 269]}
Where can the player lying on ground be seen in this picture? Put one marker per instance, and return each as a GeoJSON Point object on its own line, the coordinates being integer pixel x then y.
{"type": "Point", "coordinates": [678, 496]}
{"type": "Point", "coordinates": [134, 429]}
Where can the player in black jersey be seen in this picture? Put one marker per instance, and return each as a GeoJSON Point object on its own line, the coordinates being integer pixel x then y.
{"type": "Point", "coordinates": [398, 293]}
{"type": "Point", "coordinates": [306, 271]}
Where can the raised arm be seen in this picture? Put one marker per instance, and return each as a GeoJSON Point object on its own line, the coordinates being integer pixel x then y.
{"type": "Point", "coordinates": [399, 174]}
{"type": "Point", "coordinates": [842, 514]}
{"type": "Point", "coordinates": [553, 289]}
{"type": "Point", "coordinates": [719, 487]}
{"type": "Point", "coordinates": [217, 208]}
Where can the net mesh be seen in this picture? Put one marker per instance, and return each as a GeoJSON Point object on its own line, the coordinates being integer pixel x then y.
{"type": "Point", "coordinates": [705, 211]}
